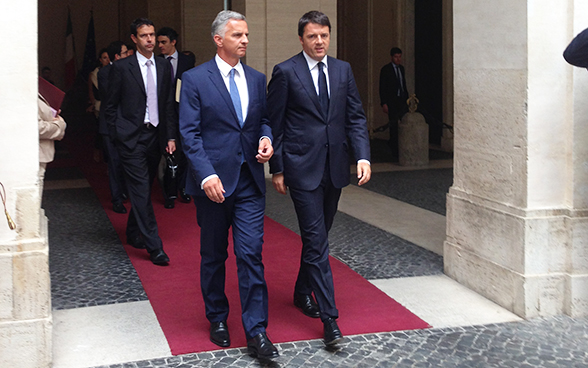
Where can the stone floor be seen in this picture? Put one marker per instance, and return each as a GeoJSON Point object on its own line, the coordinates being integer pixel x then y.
{"type": "Point", "coordinates": [94, 285]}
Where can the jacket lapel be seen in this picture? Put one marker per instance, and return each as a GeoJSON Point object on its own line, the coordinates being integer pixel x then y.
{"type": "Point", "coordinates": [334, 78]}
{"type": "Point", "coordinates": [135, 70]}
{"type": "Point", "coordinates": [303, 73]}
{"type": "Point", "coordinates": [219, 83]}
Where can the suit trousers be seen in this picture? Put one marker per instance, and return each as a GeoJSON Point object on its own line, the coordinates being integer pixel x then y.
{"type": "Point", "coordinates": [116, 179]}
{"type": "Point", "coordinates": [140, 168]}
{"type": "Point", "coordinates": [244, 212]}
{"type": "Point", "coordinates": [316, 211]}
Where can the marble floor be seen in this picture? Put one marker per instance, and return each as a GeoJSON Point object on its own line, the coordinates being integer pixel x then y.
{"type": "Point", "coordinates": [390, 231]}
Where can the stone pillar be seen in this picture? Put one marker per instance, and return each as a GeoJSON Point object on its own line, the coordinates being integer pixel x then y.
{"type": "Point", "coordinates": [517, 211]}
{"type": "Point", "coordinates": [413, 140]}
{"type": "Point", "coordinates": [25, 303]}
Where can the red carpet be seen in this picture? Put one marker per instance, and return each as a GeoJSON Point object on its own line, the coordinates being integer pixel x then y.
{"type": "Point", "coordinates": [174, 291]}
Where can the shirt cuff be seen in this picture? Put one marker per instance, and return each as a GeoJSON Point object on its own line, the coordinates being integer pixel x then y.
{"type": "Point", "coordinates": [265, 136]}
{"type": "Point", "coordinates": [364, 160]}
{"type": "Point", "coordinates": [207, 179]}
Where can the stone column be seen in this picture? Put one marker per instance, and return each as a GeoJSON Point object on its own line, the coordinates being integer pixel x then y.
{"type": "Point", "coordinates": [25, 303]}
{"type": "Point", "coordinates": [516, 213]}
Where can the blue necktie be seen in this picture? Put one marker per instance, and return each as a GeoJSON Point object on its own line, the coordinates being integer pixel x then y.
{"type": "Point", "coordinates": [235, 97]}
{"type": "Point", "coordinates": [323, 92]}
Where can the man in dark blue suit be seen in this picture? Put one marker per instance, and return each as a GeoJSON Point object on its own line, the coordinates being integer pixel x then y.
{"type": "Point", "coordinates": [316, 117]}
{"type": "Point", "coordinates": [227, 139]}
{"type": "Point", "coordinates": [577, 51]}
{"type": "Point", "coordinates": [139, 116]}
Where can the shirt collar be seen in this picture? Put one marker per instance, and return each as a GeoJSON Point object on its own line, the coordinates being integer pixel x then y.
{"type": "Point", "coordinates": [142, 59]}
{"type": "Point", "coordinates": [312, 63]}
{"type": "Point", "coordinates": [225, 68]}
{"type": "Point", "coordinates": [174, 55]}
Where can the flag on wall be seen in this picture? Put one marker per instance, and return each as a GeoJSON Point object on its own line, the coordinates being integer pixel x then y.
{"type": "Point", "coordinates": [70, 54]}
{"type": "Point", "coordinates": [90, 51]}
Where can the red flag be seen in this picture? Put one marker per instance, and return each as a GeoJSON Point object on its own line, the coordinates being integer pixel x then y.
{"type": "Point", "coordinates": [70, 54]}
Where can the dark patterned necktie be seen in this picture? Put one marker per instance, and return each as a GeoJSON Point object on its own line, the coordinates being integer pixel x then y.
{"type": "Point", "coordinates": [323, 92]}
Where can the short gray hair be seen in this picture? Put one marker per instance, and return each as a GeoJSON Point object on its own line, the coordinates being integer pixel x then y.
{"type": "Point", "coordinates": [219, 24]}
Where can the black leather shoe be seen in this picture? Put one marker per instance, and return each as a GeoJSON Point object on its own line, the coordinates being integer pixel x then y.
{"type": "Point", "coordinates": [185, 197]}
{"type": "Point", "coordinates": [261, 347]}
{"type": "Point", "coordinates": [136, 242]}
{"type": "Point", "coordinates": [219, 334]}
{"type": "Point", "coordinates": [158, 257]}
{"type": "Point", "coordinates": [307, 304]}
{"type": "Point", "coordinates": [169, 203]}
{"type": "Point", "coordinates": [119, 208]}
{"type": "Point", "coordinates": [333, 335]}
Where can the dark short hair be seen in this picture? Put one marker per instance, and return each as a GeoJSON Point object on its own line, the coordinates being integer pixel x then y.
{"type": "Point", "coordinates": [315, 17]}
{"type": "Point", "coordinates": [114, 49]}
{"type": "Point", "coordinates": [138, 23]}
{"type": "Point", "coordinates": [102, 51]}
{"type": "Point", "coordinates": [394, 51]}
{"type": "Point", "coordinates": [169, 33]}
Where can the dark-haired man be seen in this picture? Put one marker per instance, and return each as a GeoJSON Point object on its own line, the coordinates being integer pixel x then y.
{"type": "Point", "coordinates": [167, 39]}
{"type": "Point", "coordinates": [139, 116]}
{"type": "Point", "coordinates": [393, 95]}
{"type": "Point", "coordinates": [116, 50]}
{"type": "Point", "coordinates": [315, 110]}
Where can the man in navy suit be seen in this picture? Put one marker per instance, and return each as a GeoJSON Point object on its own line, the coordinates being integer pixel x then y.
{"type": "Point", "coordinates": [167, 39]}
{"type": "Point", "coordinates": [227, 139]}
{"type": "Point", "coordinates": [139, 116]}
{"type": "Point", "coordinates": [577, 51]}
{"type": "Point", "coordinates": [316, 117]}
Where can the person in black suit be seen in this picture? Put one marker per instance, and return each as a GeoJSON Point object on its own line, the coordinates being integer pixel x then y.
{"type": "Point", "coordinates": [116, 50]}
{"type": "Point", "coordinates": [577, 51]}
{"type": "Point", "coordinates": [227, 139]}
{"type": "Point", "coordinates": [167, 39]}
{"type": "Point", "coordinates": [316, 117]}
{"type": "Point", "coordinates": [139, 116]}
{"type": "Point", "coordinates": [393, 95]}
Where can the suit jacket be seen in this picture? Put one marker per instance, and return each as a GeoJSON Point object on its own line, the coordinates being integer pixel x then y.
{"type": "Point", "coordinates": [389, 85]}
{"type": "Point", "coordinates": [303, 138]}
{"type": "Point", "coordinates": [126, 102]}
{"type": "Point", "coordinates": [213, 141]}
{"type": "Point", "coordinates": [577, 51]}
{"type": "Point", "coordinates": [102, 89]}
{"type": "Point", "coordinates": [185, 63]}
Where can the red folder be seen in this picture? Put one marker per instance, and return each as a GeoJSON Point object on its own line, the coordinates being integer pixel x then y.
{"type": "Point", "coordinates": [53, 95]}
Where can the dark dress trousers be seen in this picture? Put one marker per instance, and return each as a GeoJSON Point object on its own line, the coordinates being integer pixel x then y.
{"type": "Point", "coordinates": [313, 154]}
{"type": "Point", "coordinates": [577, 51]}
{"type": "Point", "coordinates": [215, 143]}
{"type": "Point", "coordinates": [390, 87]}
{"type": "Point", "coordinates": [185, 63]}
{"type": "Point", "coordinates": [139, 145]}
{"type": "Point", "coordinates": [115, 172]}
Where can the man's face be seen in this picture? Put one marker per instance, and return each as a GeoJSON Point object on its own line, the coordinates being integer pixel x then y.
{"type": "Point", "coordinates": [397, 59]}
{"type": "Point", "coordinates": [166, 46]}
{"type": "Point", "coordinates": [315, 40]}
{"type": "Point", "coordinates": [123, 53]}
{"type": "Point", "coordinates": [233, 45]}
{"type": "Point", "coordinates": [104, 59]}
{"type": "Point", "coordinates": [145, 40]}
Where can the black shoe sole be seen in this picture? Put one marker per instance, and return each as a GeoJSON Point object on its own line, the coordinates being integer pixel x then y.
{"type": "Point", "coordinates": [254, 354]}
{"type": "Point", "coordinates": [222, 345]}
{"type": "Point", "coordinates": [335, 341]}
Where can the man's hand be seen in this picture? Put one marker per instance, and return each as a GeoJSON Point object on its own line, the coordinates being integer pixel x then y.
{"type": "Point", "coordinates": [278, 182]}
{"type": "Point", "coordinates": [364, 172]}
{"type": "Point", "coordinates": [171, 147]}
{"type": "Point", "coordinates": [264, 151]}
{"type": "Point", "coordinates": [385, 108]}
{"type": "Point", "coordinates": [214, 190]}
